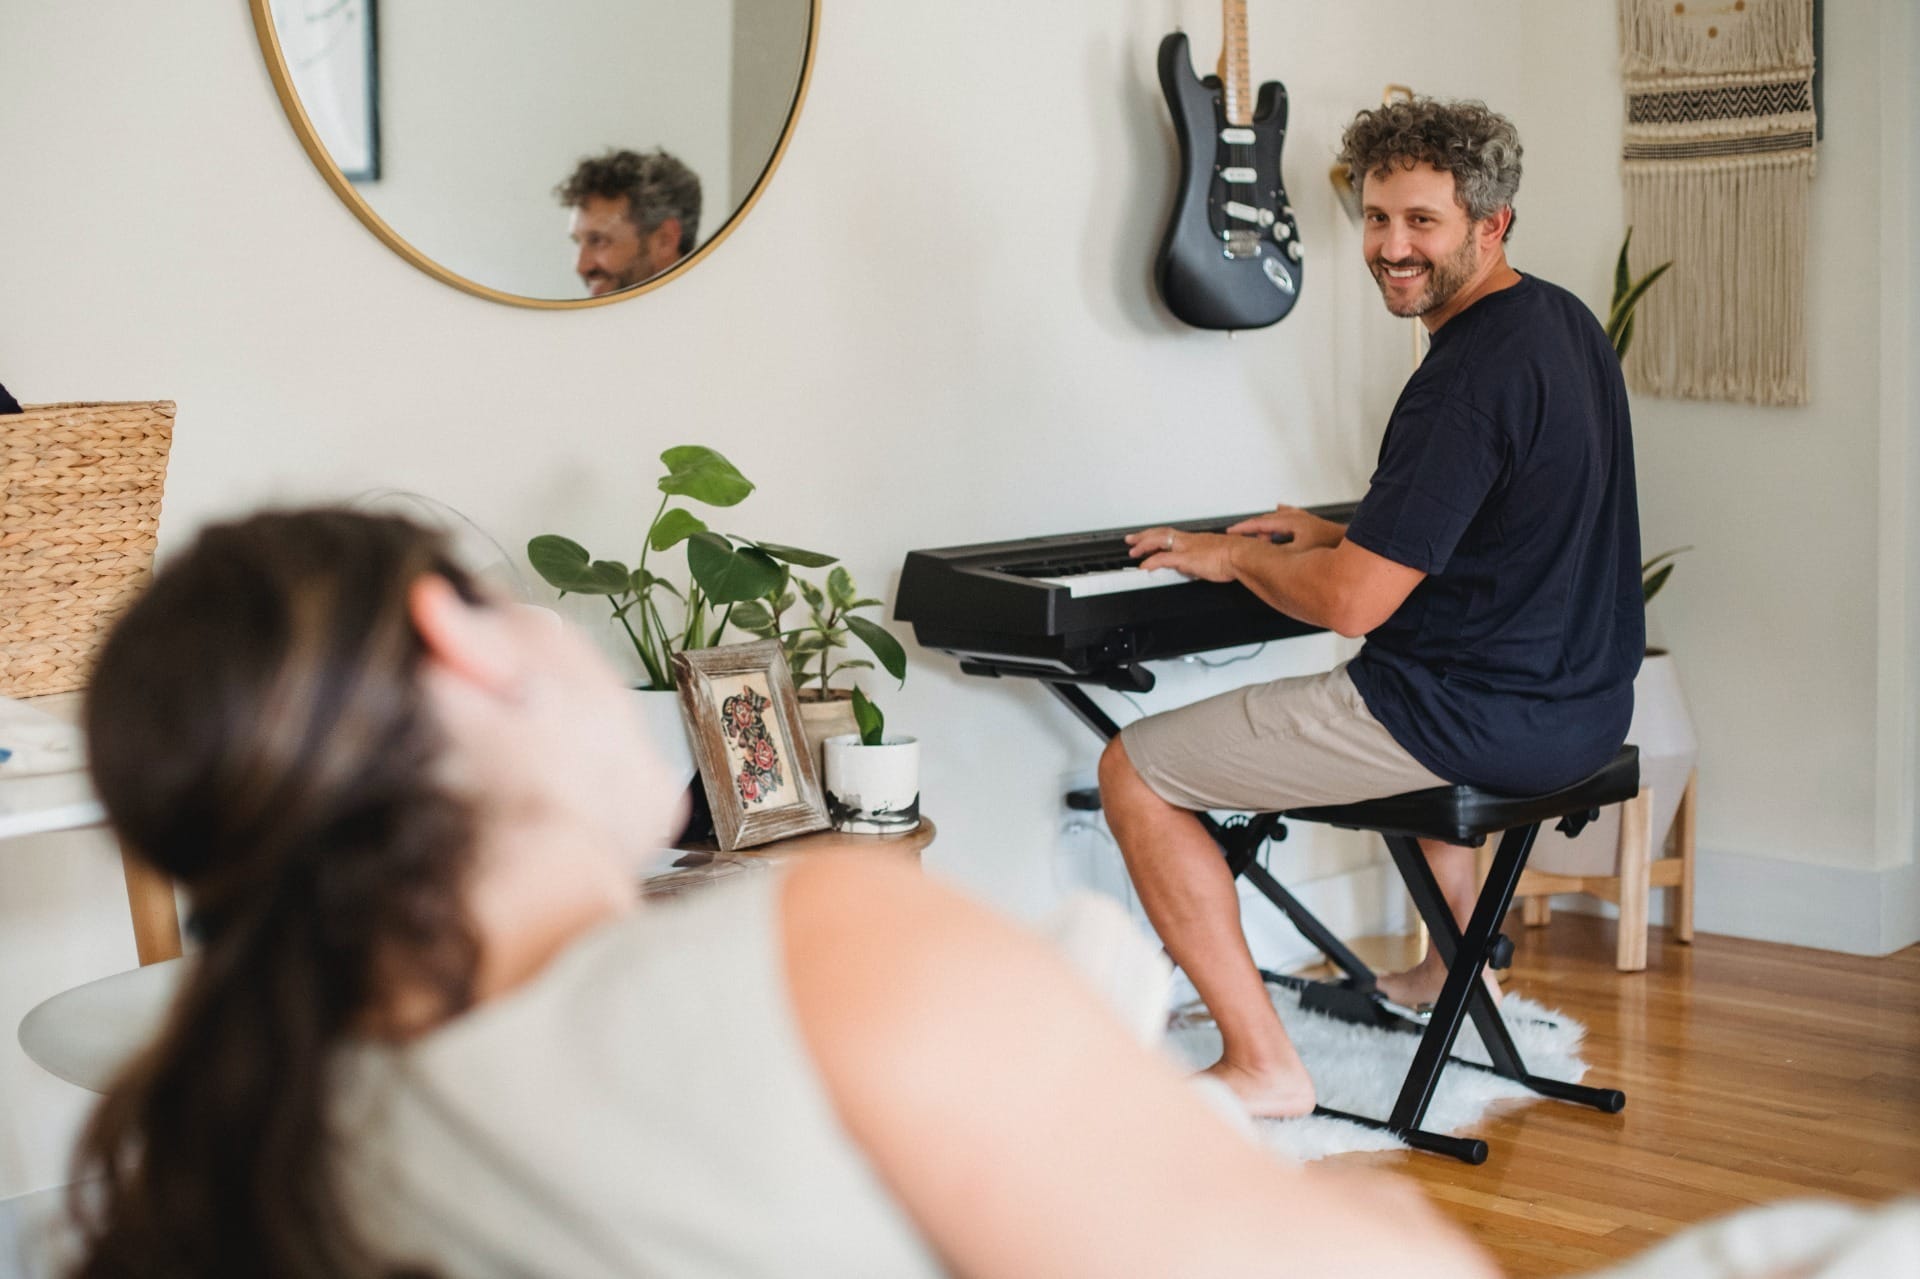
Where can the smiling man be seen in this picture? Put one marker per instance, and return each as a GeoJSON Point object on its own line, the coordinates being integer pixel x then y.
{"type": "Point", "coordinates": [1493, 567]}
{"type": "Point", "coordinates": [634, 215]}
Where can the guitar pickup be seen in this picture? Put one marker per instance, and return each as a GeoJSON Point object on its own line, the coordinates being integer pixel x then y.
{"type": "Point", "coordinates": [1238, 137]}
{"type": "Point", "coordinates": [1247, 213]}
{"type": "Point", "coordinates": [1240, 176]}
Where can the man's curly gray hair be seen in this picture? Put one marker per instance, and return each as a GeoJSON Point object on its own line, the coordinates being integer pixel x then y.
{"type": "Point", "coordinates": [1478, 146]}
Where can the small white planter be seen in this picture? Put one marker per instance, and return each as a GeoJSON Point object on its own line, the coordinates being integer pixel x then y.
{"type": "Point", "coordinates": [667, 727]}
{"type": "Point", "coordinates": [873, 790]}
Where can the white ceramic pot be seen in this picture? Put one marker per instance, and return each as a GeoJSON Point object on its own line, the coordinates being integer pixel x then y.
{"type": "Point", "coordinates": [1663, 731]}
{"type": "Point", "coordinates": [667, 727]}
{"type": "Point", "coordinates": [873, 790]}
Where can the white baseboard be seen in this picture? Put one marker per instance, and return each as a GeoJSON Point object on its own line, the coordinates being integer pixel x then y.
{"type": "Point", "coordinates": [1846, 909]}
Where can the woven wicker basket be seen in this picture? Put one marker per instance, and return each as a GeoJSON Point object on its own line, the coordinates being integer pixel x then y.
{"type": "Point", "coordinates": [80, 492]}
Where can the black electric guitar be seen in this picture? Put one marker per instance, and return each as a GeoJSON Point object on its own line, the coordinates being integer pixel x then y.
{"type": "Point", "coordinates": [1231, 257]}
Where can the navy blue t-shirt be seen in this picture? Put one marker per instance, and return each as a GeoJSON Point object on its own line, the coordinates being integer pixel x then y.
{"type": "Point", "coordinates": [1506, 475]}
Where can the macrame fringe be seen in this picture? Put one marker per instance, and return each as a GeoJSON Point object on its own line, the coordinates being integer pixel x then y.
{"type": "Point", "coordinates": [1727, 321]}
{"type": "Point", "coordinates": [1673, 35]}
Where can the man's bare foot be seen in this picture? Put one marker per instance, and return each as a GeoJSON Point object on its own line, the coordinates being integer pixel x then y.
{"type": "Point", "coordinates": [1421, 984]}
{"type": "Point", "coordinates": [1278, 1093]}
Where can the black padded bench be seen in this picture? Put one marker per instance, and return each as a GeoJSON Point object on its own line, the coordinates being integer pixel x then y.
{"type": "Point", "coordinates": [1455, 815]}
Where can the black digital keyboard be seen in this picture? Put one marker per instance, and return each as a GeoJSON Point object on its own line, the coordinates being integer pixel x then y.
{"type": "Point", "coordinates": [1074, 607]}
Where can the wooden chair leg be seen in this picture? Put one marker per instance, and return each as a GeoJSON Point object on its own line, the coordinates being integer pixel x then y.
{"type": "Point", "coordinates": [1681, 898]}
{"type": "Point", "coordinates": [156, 922]}
{"type": "Point", "coordinates": [1537, 910]}
{"type": "Point", "coordinates": [1636, 851]}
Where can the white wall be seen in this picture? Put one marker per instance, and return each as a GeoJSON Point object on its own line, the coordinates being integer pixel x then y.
{"type": "Point", "coordinates": [935, 328]}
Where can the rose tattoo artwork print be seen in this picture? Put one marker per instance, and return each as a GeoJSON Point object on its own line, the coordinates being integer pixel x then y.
{"type": "Point", "coordinates": [758, 774]}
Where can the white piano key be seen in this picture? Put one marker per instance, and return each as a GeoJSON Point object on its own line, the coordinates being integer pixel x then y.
{"type": "Point", "coordinates": [1113, 581]}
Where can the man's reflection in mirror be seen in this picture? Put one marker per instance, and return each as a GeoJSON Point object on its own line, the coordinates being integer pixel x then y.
{"type": "Point", "coordinates": [634, 216]}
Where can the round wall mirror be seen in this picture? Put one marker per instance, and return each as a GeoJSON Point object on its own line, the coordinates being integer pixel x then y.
{"type": "Point", "coordinates": [563, 154]}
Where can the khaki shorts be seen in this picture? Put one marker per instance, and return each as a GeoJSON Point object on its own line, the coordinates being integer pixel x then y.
{"type": "Point", "coordinates": [1291, 743]}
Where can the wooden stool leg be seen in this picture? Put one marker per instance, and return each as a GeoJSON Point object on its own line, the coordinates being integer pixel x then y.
{"type": "Point", "coordinates": [156, 924]}
{"type": "Point", "coordinates": [1636, 850]}
{"type": "Point", "coordinates": [1681, 898]}
{"type": "Point", "coordinates": [1537, 910]}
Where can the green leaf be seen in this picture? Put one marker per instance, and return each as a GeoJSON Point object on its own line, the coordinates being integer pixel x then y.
{"type": "Point", "coordinates": [863, 604]}
{"type": "Point", "coordinates": [873, 725]}
{"type": "Point", "coordinates": [727, 575]}
{"type": "Point", "coordinates": [808, 644]}
{"type": "Point", "coordinates": [703, 475]}
{"type": "Point", "coordinates": [673, 527]}
{"type": "Point", "coordinates": [1664, 556]}
{"type": "Point", "coordinates": [1633, 295]}
{"type": "Point", "coordinates": [753, 618]}
{"type": "Point", "coordinates": [851, 664]}
{"type": "Point", "coordinates": [884, 646]}
{"type": "Point", "coordinates": [794, 555]}
{"type": "Point", "coordinates": [564, 564]}
{"type": "Point", "coordinates": [645, 580]}
{"type": "Point", "coordinates": [811, 594]}
{"type": "Point", "coordinates": [1622, 280]}
{"type": "Point", "coordinates": [840, 587]}
{"type": "Point", "coordinates": [559, 560]}
{"type": "Point", "coordinates": [1623, 339]}
{"type": "Point", "coordinates": [1650, 586]}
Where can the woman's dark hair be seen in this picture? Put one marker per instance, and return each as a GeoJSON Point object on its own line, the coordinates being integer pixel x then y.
{"type": "Point", "coordinates": [257, 730]}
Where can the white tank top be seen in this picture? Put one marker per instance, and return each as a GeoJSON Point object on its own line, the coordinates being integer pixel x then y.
{"type": "Point", "coordinates": [643, 1106]}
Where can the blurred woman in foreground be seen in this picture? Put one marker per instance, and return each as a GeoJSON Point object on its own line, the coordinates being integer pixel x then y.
{"type": "Point", "coordinates": [431, 1030]}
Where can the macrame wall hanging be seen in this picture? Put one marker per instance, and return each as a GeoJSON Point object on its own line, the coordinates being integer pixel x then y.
{"type": "Point", "coordinates": [1719, 162]}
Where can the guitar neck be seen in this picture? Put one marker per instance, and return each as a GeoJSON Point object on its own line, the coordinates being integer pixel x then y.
{"type": "Point", "coordinates": [1237, 87]}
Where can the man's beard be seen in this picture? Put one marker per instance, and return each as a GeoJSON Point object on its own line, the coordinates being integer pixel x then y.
{"type": "Point", "coordinates": [1444, 278]}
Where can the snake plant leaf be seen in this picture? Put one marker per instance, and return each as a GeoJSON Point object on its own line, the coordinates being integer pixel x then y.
{"type": "Point", "coordinates": [1624, 339]}
{"type": "Point", "coordinates": [1663, 557]}
{"type": "Point", "coordinates": [794, 555]}
{"type": "Point", "coordinates": [673, 527]}
{"type": "Point", "coordinates": [873, 725]}
{"type": "Point", "coordinates": [1624, 306]}
{"type": "Point", "coordinates": [1622, 277]}
{"type": "Point", "coordinates": [730, 575]}
{"type": "Point", "coordinates": [702, 474]}
{"type": "Point", "coordinates": [884, 646]}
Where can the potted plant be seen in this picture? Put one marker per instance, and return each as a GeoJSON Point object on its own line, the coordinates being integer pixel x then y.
{"type": "Point", "coordinates": [815, 644]}
{"type": "Point", "coordinates": [872, 779]}
{"type": "Point", "coordinates": [725, 571]}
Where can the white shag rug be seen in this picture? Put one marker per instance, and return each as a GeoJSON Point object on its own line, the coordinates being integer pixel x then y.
{"type": "Point", "coordinates": [1359, 1069]}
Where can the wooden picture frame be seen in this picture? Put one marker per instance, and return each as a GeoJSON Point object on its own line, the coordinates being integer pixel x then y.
{"type": "Point", "coordinates": [753, 755]}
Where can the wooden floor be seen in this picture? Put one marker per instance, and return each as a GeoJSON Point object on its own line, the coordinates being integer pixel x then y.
{"type": "Point", "coordinates": [1753, 1072]}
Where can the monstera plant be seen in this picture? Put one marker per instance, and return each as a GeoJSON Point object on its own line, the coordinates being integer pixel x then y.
{"type": "Point", "coordinates": [724, 571]}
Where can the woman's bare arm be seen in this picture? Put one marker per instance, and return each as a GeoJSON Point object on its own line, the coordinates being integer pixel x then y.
{"type": "Point", "coordinates": [1027, 1134]}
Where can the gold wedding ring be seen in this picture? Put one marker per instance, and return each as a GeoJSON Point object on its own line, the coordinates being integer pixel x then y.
{"type": "Point", "coordinates": [1169, 539]}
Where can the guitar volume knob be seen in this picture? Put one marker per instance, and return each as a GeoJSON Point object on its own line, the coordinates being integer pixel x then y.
{"type": "Point", "coordinates": [1293, 249]}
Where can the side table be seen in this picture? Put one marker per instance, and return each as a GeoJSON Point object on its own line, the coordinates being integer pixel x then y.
{"type": "Point", "coordinates": [704, 862]}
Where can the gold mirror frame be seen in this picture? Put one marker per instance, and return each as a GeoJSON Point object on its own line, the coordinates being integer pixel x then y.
{"type": "Point", "coordinates": [317, 152]}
